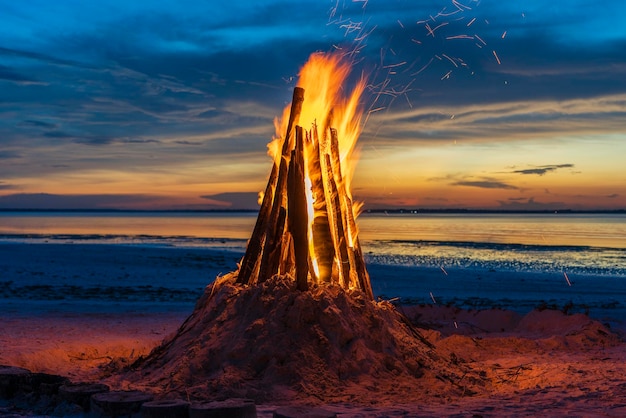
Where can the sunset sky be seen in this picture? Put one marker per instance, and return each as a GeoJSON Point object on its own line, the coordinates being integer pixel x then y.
{"type": "Point", "coordinates": [170, 104]}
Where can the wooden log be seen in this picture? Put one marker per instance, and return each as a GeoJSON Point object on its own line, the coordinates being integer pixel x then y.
{"type": "Point", "coordinates": [303, 412]}
{"type": "Point", "coordinates": [359, 270]}
{"type": "Point", "coordinates": [345, 205]}
{"type": "Point", "coordinates": [41, 383]}
{"type": "Point", "coordinates": [80, 393]}
{"type": "Point", "coordinates": [267, 215]}
{"type": "Point", "coordinates": [10, 380]}
{"type": "Point", "coordinates": [297, 211]}
{"type": "Point", "coordinates": [335, 157]}
{"type": "Point", "coordinates": [324, 250]}
{"type": "Point", "coordinates": [287, 257]}
{"type": "Point", "coordinates": [294, 116]}
{"type": "Point", "coordinates": [278, 254]}
{"type": "Point", "coordinates": [337, 226]}
{"type": "Point", "coordinates": [275, 224]}
{"type": "Point", "coordinates": [255, 245]}
{"type": "Point", "coordinates": [363, 277]}
{"type": "Point", "coordinates": [118, 403]}
{"type": "Point", "coordinates": [229, 408]}
{"type": "Point", "coordinates": [165, 408]}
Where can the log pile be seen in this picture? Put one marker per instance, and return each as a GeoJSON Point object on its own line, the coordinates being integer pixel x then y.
{"type": "Point", "coordinates": [306, 225]}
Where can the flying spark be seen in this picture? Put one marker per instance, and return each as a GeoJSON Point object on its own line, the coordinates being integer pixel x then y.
{"type": "Point", "coordinates": [431, 31]}
{"type": "Point", "coordinates": [497, 58]}
{"type": "Point", "coordinates": [460, 37]}
{"type": "Point", "coordinates": [567, 279]}
{"type": "Point", "coordinates": [480, 39]}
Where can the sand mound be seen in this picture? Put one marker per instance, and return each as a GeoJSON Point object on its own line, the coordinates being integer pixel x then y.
{"type": "Point", "coordinates": [270, 341]}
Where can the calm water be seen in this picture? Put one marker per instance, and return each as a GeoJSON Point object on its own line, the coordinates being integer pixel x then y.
{"type": "Point", "coordinates": [584, 243]}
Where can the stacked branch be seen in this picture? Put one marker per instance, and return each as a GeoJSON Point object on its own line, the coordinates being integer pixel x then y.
{"type": "Point", "coordinates": [325, 250]}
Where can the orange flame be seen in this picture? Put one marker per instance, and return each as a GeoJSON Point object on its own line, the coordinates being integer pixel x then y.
{"type": "Point", "coordinates": [323, 78]}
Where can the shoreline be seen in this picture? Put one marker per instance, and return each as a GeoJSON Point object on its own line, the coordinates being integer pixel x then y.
{"type": "Point", "coordinates": [79, 277]}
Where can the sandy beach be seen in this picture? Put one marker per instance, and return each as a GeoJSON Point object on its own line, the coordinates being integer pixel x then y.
{"type": "Point", "coordinates": [535, 362]}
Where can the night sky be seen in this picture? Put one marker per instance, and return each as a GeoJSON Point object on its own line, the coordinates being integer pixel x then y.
{"type": "Point", "coordinates": [170, 104]}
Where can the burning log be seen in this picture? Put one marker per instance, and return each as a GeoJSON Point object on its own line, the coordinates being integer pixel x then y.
{"type": "Point", "coordinates": [306, 225]}
{"type": "Point", "coordinates": [298, 224]}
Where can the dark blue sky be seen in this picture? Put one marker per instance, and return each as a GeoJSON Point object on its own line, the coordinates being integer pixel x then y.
{"type": "Point", "coordinates": [169, 104]}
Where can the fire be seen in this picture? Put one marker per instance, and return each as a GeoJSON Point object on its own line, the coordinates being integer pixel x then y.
{"type": "Point", "coordinates": [323, 78]}
{"type": "Point", "coordinates": [306, 227]}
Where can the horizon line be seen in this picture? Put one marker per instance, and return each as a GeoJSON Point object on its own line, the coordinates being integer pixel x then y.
{"type": "Point", "coordinates": [365, 211]}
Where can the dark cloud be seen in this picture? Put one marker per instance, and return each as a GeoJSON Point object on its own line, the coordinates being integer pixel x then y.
{"type": "Point", "coordinates": [58, 134]}
{"type": "Point", "coordinates": [485, 184]}
{"type": "Point", "coordinates": [541, 170]}
{"type": "Point", "coordinates": [45, 58]}
{"type": "Point", "coordinates": [531, 204]}
{"type": "Point", "coordinates": [6, 186]}
{"type": "Point", "coordinates": [139, 141]}
{"type": "Point", "coordinates": [237, 200]}
{"type": "Point", "coordinates": [89, 201]}
{"type": "Point", "coordinates": [6, 155]}
{"type": "Point", "coordinates": [37, 124]}
{"type": "Point", "coordinates": [9, 74]}
{"type": "Point", "coordinates": [188, 143]}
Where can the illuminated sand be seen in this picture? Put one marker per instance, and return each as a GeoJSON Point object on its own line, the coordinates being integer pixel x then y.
{"type": "Point", "coordinates": [544, 362]}
{"type": "Point", "coordinates": [272, 342]}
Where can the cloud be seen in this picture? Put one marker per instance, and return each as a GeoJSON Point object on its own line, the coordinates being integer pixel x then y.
{"type": "Point", "coordinates": [6, 186]}
{"type": "Point", "coordinates": [37, 124]}
{"type": "Point", "coordinates": [522, 120]}
{"type": "Point", "coordinates": [234, 200]}
{"type": "Point", "coordinates": [38, 56]}
{"type": "Point", "coordinates": [531, 204]}
{"type": "Point", "coordinates": [485, 184]}
{"type": "Point", "coordinates": [8, 74]}
{"type": "Point", "coordinates": [6, 155]}
{"type": "Point", "coordinates": [89, 201]}
{"type": "Point", "coordinates": [58, 134]}
{"type": "Point", "coordinates": [542, 170]}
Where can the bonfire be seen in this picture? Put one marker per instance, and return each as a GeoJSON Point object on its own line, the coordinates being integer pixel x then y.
{"type": "Point", "coordinates": [306, 226]}
{"type": "Point", "coordinates": [298, 317]}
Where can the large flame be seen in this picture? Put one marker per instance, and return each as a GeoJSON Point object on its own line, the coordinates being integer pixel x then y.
{"type": "Point", "coordinates": [323, 78]}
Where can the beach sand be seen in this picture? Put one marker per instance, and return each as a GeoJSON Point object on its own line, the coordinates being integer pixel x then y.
{"type": "Point", "coordinates": [545, 363]}
{"type": "Point", "coordinates": [537, 363]}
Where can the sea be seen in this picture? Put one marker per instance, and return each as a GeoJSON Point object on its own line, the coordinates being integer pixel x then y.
{"type": "Point", "coordinates": [509, 260]}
